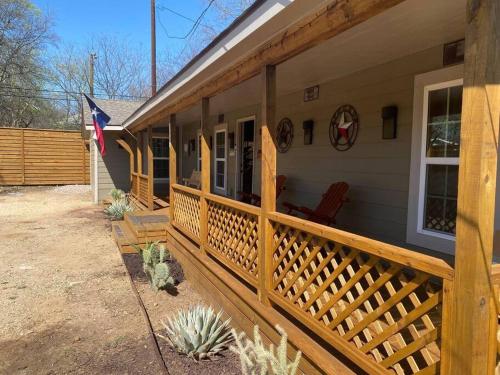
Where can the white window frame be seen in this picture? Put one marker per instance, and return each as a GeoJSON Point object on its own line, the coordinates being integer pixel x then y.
{"type": "Point", "coordinates": [221, 128]}
{"type": "Point", "coordinates": [416, 233]}
{"type": "Point", "coordinates": [160, 179]}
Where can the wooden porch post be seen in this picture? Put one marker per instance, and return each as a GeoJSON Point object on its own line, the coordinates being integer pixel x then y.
{"type": "Point", "coordinates": [469, 335]}
{"type": "Point", "coordinates": [172, 161]}
{"type": "Point", "coordinates": [150, 169]}
{"type": "Point", "coordinates": [139, 152]}
{"type": "Point", "coordinates": [205, 172]}
{"type": "Point", "coordinates": [139, 144]}
{"type": "Point", "coordinates": [268, 180]}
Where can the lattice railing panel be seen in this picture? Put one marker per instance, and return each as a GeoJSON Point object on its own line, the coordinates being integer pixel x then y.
{"type": "Point", "coordinates": [135, 185]}
{"type": "Point", "coordinates": [187, 212]}
{"type": "Point", "coordinates": [233, 238]}
{"type": "Point", "coordinates": [388, 312]}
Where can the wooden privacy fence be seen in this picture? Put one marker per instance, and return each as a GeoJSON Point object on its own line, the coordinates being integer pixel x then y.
{"type": "Point", "coordinates": [384, 307]}
{"type": "Point", "coordinates": [43, 157]}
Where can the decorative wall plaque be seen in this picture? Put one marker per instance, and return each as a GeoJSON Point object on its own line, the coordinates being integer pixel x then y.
{"type": "Point", "coordinates": [284, 135]}
{"type": "Point", "coordinates": [344, 127]}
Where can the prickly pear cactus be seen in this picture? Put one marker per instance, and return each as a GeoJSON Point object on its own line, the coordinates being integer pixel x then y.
{"type": "Point", "coordinates": [158, 272]}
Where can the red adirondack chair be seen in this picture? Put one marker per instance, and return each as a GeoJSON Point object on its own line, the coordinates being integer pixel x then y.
{"type": "Point", "coordinates": [327, 208]}
{"type": "Point", "coordinates": [256, 199]}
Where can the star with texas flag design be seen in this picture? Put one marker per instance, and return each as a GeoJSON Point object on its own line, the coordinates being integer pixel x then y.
{"type": "Point", "coordinates": [344, 127]}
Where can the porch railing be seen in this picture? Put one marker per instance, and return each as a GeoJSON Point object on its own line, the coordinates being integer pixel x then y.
{"type": "Point", "coordinates": [139, 188]}
{"type": "Point", "coordinates": [186, 213]}
{"type": "Point", "coordinates": [382, 306]}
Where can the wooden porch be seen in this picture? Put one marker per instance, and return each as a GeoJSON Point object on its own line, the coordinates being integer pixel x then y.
{"type": "Point", "coordinates": [351, 304]}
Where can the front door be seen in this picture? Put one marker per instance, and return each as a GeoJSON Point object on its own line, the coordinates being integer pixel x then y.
{"type": "Point", "coordinates": [246, 155]}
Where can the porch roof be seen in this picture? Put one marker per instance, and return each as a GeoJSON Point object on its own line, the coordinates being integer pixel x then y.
{"type": "Point", "coordinates": [247, 33]}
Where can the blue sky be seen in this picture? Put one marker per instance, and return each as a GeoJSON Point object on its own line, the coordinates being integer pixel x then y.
{"type": "Point", "coordinates": [76, 21]}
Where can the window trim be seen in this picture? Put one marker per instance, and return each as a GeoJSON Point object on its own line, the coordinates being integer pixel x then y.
{"type": "Point", "coordinates": [415, 233]}
{"type": "Point", "coordinates": [160, 179]}
{"type": "Point", "coordinates": [221, 128]}
{"type": "Point", "coordinates": [426, 161]}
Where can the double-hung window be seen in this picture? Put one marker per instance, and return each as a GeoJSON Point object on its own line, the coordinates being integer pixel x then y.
{"type": "Point", "coordinates": [160, 158]}
{"type": "Point", "coordinates": [432, 210]}
{"type": "Point", "coordinates": [440, 152]}
{"type": "Point", "coordinates": [220, 159]}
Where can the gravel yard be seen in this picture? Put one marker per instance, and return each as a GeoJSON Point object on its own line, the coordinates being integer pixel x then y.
{"type": "Point", "coordinates": [66, 304]}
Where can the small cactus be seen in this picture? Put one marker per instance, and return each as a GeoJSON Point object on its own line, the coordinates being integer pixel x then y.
{"type": "Point", "coordinates": [257, 360]}
{"type": "Point", "coordinates": [117, 209]}
{"type": "Point", "coordinates": [117, 194]}
{"type": "Point", "coordinates": [153, 262]}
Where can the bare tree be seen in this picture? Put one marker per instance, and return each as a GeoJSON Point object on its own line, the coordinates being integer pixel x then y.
{"type": "Point", "coordinates": [24, 32]}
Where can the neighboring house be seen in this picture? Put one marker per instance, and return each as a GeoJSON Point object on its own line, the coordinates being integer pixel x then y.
{"type": "Point", "coordinates": [112, 170]}
{"type": "Point", "coordinates": [381, 86]}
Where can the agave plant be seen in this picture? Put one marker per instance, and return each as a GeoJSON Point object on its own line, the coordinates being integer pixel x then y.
{"type": "Point", "coordinates": [117, 194]}
{"type": "Point", "coordinates": [117, 209]}
{"type": "Point", "coordinates": [256, 359]}
{"type": "Point", "coordinates": [198, 332]}
{"type": "Point", "coordinates": [153, 262]}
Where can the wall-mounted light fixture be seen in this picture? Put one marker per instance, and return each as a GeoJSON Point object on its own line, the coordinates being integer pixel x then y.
{"type": "Point", "coordinates": [389, 122]}
{"type": "Point", "coordinates": [308, 127]}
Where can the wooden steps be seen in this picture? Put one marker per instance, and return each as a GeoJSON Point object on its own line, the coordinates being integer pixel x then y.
{"type": "Point", "coordinates": [139, 228]}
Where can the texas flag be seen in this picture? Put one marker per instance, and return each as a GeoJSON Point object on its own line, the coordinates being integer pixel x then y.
{"type": "Point", "coordinates": [100, 120]}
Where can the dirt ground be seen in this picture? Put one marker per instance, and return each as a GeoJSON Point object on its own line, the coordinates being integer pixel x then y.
{"type": "Point", "coordinates": [66, 304]}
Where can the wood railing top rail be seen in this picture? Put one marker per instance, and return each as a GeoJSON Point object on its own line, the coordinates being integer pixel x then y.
{"type": "Point", "coordinates": [187, 189]}
{"type": "Point", "coordinates": [140, 175]}
{"type": "Point", "coordinates": [495, 274]}
{"type": "Point", "coordinates": [412, 259]}
{"type": "Point", "coordinates": [234, 204]}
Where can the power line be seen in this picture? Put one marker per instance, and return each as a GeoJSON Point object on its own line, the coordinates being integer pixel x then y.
{"type": "Point", "coordinates": [196, 22]}
{"type": "Point", "coordinates": [13, 95]}
{"type": "Point", "coordinates": [2, 87]}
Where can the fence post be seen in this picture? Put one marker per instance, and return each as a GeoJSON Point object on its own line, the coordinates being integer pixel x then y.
{"type": "Point", "coordinates": [268, 182]}
{"type": "Point", "coordinates": [23, 175]}
{"type": "Point", "coordinates": [205, 172]}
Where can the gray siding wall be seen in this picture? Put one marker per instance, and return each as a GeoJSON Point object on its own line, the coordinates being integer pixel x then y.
{"type": "Point", "coordinates": [113, 170]}
{"type": "Point", "coordinates": [377, 170]}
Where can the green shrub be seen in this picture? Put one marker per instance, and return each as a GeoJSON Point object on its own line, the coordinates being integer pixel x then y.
{"type": "Point", "coordinates": [198, 332]}
{"type": "Point", "coordinates": [117, 194]}
{"type": "Point", "coordinates": [256, 359]}
{"type": "Point", "coordinates": [153, 262]}
{"type": "Point", "coordinates": [117, 209]}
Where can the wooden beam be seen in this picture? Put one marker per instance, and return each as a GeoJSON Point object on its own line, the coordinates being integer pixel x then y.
{"type": "Point", "coordinates": [268, 180]}
{"type": "Point", "coordinates": [473, 292]}
{"type": "Point", "coordinates": [334, 18]}
{"type": "Point", "coordinates": [172, 160]}
{"type": "Point", "coordinates": [205, 172]}
{"type": "Point", "coordinates": [139, 152]}
{"type": "Point", "coordinates": [151, 204]}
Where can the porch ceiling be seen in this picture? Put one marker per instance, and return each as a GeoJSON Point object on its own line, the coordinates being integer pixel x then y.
{"type": "Point", "coordinates": [407, 28]}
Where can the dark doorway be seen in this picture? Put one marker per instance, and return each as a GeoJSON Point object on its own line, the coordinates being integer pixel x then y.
{"type": "Point", "coordinates": [247, 144]}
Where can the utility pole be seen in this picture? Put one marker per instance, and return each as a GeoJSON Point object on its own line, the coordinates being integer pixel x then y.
{"type": "Point", "coordinates": [93, 56]}
{"type": "Point", "coordinates": [153, 48]}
